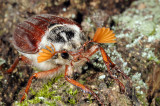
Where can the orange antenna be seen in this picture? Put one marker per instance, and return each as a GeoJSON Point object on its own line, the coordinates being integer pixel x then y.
{"type": "Point", "coordinates": [46, 54]}
{"type": "Point", "coordinates": [104, 35]}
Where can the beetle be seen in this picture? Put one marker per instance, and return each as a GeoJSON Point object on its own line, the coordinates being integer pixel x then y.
{"type": "Point", "coordinates": [58, 45]}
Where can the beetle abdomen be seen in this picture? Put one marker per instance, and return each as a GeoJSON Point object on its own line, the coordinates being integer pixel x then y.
{"type": "Point", "coordinates": [28, 34]}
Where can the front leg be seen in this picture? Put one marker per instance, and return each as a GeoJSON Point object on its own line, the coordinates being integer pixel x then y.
{"type": "Point", "coordinates": [112, 65]}
{"type": "Point", "coordinates": [84, 88]}
{"type": "Point", "coordinates": [109, 64]}
{"type": "Point", "coordinates": [39, 75]}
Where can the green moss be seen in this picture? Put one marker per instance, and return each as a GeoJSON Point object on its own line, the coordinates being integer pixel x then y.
{"type": "Point", "coordinates": [142, 99]}
{"type": "Point", "coordinates": [45, 95]}
{"type": "Point", "coordinates": [72, 94]}
{"type": "Point", "coordinates": [89, 97]}
{"type": "Point", "coordinates": [81, 81]}
{"type": "Point", "coordinates": [72, 101]}
{"type": "Point", "coordinates": [157, 101]}
{"type": "Point", "coordinates": [154, 58]}
{"type": "Point", "coordinates": [153, 32]}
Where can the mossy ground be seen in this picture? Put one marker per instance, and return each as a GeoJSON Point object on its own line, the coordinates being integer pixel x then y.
{"type": "Point", "coordinates": [136, 53]}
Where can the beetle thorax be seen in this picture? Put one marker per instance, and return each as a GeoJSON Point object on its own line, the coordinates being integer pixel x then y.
{"type": "Point", "coordinates": [64, 37]}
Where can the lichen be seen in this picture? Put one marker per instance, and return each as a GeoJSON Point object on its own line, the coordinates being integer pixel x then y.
{"type": "Point", "coordinates": [139, 87]}
{"type": "Point", "coordinates": [138, 27]}
{"type": "Point", "coordinates": [2, 61]}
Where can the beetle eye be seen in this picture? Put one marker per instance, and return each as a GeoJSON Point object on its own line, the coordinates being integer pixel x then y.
{"type": "Point", "coordinates": [65, 55]}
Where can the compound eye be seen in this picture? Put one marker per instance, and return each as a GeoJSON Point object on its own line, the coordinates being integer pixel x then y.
{"type": "Point", "coordinates": [65, 55]}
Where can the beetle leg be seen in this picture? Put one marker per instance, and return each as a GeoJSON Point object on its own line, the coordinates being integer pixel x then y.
{"type": "Point", "coordinates": [21, 58]}
{"type": "Point", "coordinates": [117, 69]}
{"type": "Point", "coordinates": [42, 74]}
{"type": "Point", "coordinates": [109, 64]}
{"type": "Point", "coordinates": [84, 88]}
{"type": "Point", "coordinates": [113, 66]}
{"type": "Point", "coordinates": [116, 79]}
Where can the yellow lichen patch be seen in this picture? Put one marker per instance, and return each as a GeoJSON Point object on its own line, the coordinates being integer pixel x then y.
{"type": "Point", "coordinates": [46, 54]}
{"type": "Point", "coordinates": [104, 35]}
